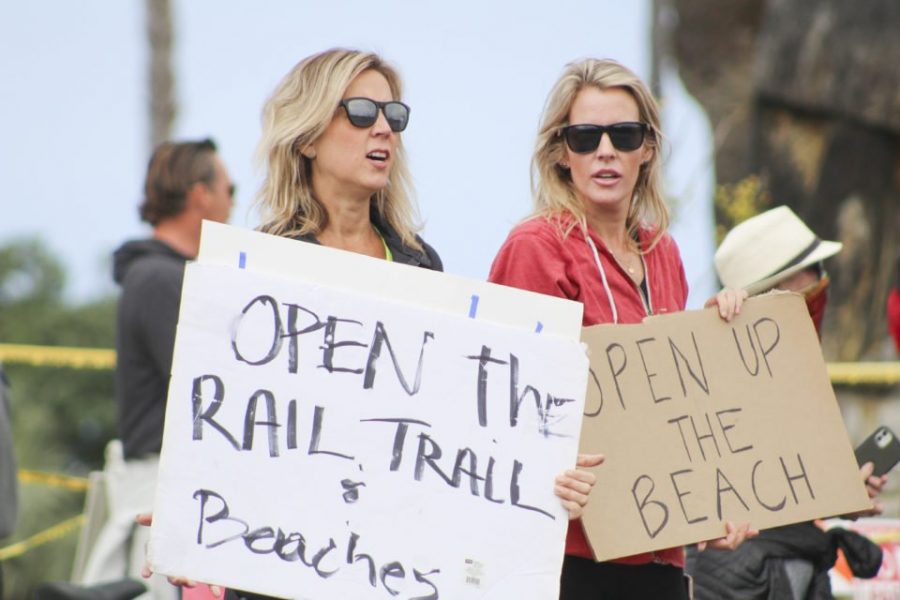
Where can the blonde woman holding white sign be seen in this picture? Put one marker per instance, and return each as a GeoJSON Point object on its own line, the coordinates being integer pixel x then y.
{"type": "Point", "coordinates": [597, 235]}
{"type": "Point", "coordinates": [336, 175]}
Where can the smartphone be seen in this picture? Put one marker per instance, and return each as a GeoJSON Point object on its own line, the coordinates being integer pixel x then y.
{"type": "Point", "coordinates": [881, 448]}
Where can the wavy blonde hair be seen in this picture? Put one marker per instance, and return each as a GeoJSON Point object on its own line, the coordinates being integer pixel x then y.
{"type": "Point", "coordinates": [294, 116]}
{"type": "Point", "coordinates": [551, 185]}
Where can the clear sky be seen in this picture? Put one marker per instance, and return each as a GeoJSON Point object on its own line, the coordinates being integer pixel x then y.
{"type": "Point", "coordinates": [74, 147]}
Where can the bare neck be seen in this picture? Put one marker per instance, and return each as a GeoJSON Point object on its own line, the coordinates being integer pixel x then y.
{"type": "Point", "coordinates": [610, 225]}
{"type": "Point", "coordinates": [350, 228]}
{"type": "Point", "coordinates": [181, 233]}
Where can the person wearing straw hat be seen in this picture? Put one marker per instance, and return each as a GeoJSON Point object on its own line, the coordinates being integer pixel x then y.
{"type": "Point", "coordinates": [776, 250]}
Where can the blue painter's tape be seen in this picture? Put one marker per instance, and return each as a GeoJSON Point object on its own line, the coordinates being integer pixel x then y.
{"type": "Point", "coordinates": [242, 261]}
{"type": "Point", "coordinates": [539, 328]}
{"type": "Point", "coordinates": [473, 307]}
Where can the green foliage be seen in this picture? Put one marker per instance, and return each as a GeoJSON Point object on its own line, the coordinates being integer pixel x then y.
{"type": "Point", "coordinates": [29, 274]}
{"type": "Point", "coordinates": [62, 418]}
{"type": "Point", "coordinates": [40, 508]}
{"type": "Point", "coordinates": [738, 202]}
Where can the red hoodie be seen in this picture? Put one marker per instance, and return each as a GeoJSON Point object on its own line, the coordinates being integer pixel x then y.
{"type": "Point", "coordinates": [535, 257]}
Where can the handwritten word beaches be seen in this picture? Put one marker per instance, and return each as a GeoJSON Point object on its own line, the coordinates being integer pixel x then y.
{"type": "Point", "coordinates": [219, 526]}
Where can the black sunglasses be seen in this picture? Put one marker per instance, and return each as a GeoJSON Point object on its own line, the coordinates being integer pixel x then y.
{"type": "Point", "coordinates": [363, 112]}
{"type": "Point", "coordinates": [585, 138]}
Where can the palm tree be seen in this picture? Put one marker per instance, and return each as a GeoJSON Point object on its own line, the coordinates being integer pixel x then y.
{"type": "Point", "coordinates": [161, 78]}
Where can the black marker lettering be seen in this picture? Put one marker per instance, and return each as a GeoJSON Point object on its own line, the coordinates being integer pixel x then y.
{"type": "Point", "coordinates": [720, 476]}
{"type": "Point", "coordinates": [729, 426]}
{"type": "Point", "coordinates": [514, 492]}
{"type": "Point", "coordinates": [681, 495]}
{"type": "Point", "coordinates": [677, 421]}
{"type": "Point", "coordinates": [642, 505]}
{"type": "Point", "coordinates": [792, 478]}
{"type": "Point", "coordinates": [318, 417]}
{"type": "Point", "coordinates": [617, 371]}
{"type": "Point", "coordinates": [271, 422]}
{"type": "Point", "coordinates": [755, 370]}
{"type": "Point", "coordinates": [656, 399]}
{"type": "Point", "coordinates": [770, 507]}
{"type": "Point", "coordinates": [483, 359]}
{"type": "Point", "coordinates": [329, 346]}
{"type": "Point", "coordinates": [380, 338]}
{"type": "Point", "coordinates": [222, 515]}
{"type": "Point", "coordinates": [701, 379]}
{"type": "Point", "coordinates": [199, 417]}
{"type": "Point", "coordinates": [277, 335]}
{"type": "Point", "coordinates": [767, 348]}
{"type": "Point", "coordinates": [706, 436]}
{"type": "Point", "coordinates": [591, 414]}
{"type": "Point", "coordinates": [294, 334]}
{"type": "Point", "coordinates": [393, 569]}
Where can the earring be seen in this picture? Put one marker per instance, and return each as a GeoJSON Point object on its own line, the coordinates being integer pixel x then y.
{"type": "Point", "coordinates": [307, 151]}
{"type": "Point", "coordinates": [564, 166]}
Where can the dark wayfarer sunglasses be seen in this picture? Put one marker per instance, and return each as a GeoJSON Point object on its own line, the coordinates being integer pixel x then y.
{"type": "Point", "coordinates": [585, 138]}
{"type": "Point", "coordinates": [363, 112]}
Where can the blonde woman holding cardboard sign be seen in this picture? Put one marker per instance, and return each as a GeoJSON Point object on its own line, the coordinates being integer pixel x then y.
{"type": "Point", "coordinates": [598, 236]}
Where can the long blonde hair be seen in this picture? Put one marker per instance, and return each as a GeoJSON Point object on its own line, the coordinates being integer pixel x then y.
{"type": "Point", "coordinates": [551, 185]}
{"type": "Point", "coordinates": [294, 116]}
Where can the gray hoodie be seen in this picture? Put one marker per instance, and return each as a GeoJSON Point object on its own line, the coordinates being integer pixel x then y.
{"type": "Point", "coordinates": [150, 273]}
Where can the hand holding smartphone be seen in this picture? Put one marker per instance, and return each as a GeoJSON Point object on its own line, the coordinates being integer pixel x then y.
{"type": "Point", "coordinates": [882, 448]}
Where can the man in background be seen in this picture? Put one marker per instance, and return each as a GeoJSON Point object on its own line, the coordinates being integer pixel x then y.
{"type": "Point", "coordinates": [186, 182]}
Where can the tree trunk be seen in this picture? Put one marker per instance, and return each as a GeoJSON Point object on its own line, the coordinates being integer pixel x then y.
{"type": "Point", "coordinates": [161, 79]}
{"type": "Point", "coordinates": [804, 97]}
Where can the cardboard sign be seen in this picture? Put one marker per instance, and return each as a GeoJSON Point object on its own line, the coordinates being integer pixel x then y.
{"type": "Point", "coordinates": [703, 421]}
{"type": "Point", "coordinates": [325, 443]}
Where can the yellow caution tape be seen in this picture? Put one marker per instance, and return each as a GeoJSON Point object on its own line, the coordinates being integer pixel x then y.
{"type": "Point", "coordinates": [76, 484]}
{"type": "Point", "coordinates": [48, 535]}
{"type": "Point", "coordinates": [58, 356]}
{"type": "Point", "coordinates": [864, 373]}
{"type": "Point", "coordinates": [847, 373]}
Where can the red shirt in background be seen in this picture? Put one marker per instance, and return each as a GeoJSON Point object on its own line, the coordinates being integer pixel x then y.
{"type": "Point", "coordinates": [893, 316]}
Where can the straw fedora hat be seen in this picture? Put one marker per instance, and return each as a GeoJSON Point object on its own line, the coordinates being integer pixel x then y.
{"type": "Point", "coordinates": [765, 249]}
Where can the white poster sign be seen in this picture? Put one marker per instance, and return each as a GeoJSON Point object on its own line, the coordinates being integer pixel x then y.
{"type": "Point", "coordinates": [323, 443]}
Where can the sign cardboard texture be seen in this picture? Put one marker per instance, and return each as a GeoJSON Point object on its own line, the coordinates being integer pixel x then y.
{"type": "Point", "coordinates": [327, 443]}
{"type": "Point", "coordinates": [704, 421]}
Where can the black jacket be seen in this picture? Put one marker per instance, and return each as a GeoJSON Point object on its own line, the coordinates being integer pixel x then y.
{"type": "Point", "coordinates": [402, 253]}
{"type": "Point", "coordinates": [755, 571]}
